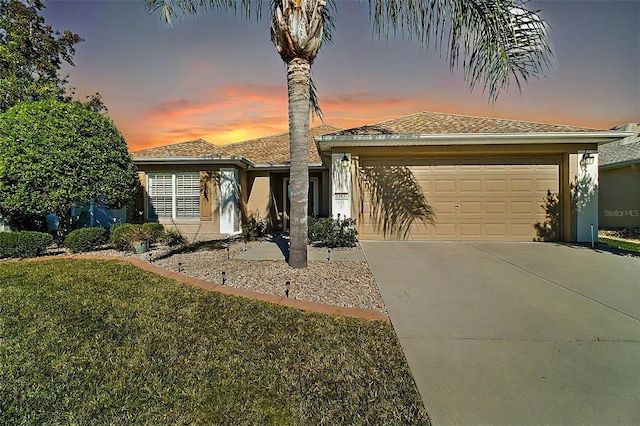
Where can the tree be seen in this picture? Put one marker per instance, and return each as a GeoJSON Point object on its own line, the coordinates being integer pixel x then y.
{"type": "Point", "coordinates": [31, 54]}
{"type": "Point", "coordinates": [53, 154]}
{"type": "Point", "coordinates": [497, 39]}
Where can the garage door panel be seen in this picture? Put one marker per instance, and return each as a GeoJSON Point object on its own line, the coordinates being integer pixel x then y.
{"type": "Point", "coordinates": [472, 208]}
{"type": "Point", "coordinates": [473, 185]}
{"type": "Point", "coordinates": [475, 198]}
{"type": "Point", "coordinates": [445, 186]}
{"type": "Point", "coordinates": [495, 229]}
{"type": "Point", "coordinates": [521, 185]}
{"type": "Point", "coordinates": [521, 208]}
{"type": "Point", "coordinates": [495, 186]}
{"type": "Point", "coordinates": [495, 207]}
{"type": "Point", "coordinates": [470, 230]}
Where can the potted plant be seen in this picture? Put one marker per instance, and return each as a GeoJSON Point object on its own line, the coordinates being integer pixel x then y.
{"type": "Point", "coordinates": [139, 238]}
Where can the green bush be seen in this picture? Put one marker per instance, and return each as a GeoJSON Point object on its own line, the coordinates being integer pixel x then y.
{"type": "Point", "coordinates": [155, 231]}
{"type": "Point", "coordinates": [329, 232]}
{"type": "Point", "coordinates": [119, 239]}
{"type": "Point", "coordinates": [23, 243]}
{"type": "Point", "coordinates": [172, 237]}
{"type": "Point", "coordinates": [253, 229]}
{"type": "Point", "coordinates": [86, 239]}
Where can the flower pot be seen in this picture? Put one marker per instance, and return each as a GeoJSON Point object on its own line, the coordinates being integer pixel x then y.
{"type": "Point", "coordinates": [140, 246]}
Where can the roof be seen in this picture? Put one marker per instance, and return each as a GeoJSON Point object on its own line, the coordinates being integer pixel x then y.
{"type": "Point", "coordinates": [440, 123]}
{"type": "Point", "coordinates": [622, 152]}
{"type": "Point", "coordinates": [198, 148]}
{"type": "Point", "coordinates": [275, 149]}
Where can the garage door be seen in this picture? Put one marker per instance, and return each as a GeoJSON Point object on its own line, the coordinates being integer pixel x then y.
{"type": "Point", "coordinates": [475, 198]}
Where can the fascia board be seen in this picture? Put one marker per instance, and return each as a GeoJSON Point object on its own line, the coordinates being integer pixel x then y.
{"type": "Point", "coordinates": [619, 164]}
{"type": "Point", "coordinates": [283, 166]}
{"type": "Point", "coordinates": [236, 161]}
{"type": "Point", "coordinates": [327, 142]}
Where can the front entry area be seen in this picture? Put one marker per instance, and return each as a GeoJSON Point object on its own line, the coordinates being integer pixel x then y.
{"type": "Point", "coordinates": [480, 198]}
{"type": "Point", "coordinates": [313, 202]}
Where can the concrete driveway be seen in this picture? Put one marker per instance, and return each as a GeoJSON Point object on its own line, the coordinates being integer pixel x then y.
{"type": "Point", "coordinates": [515, 333]}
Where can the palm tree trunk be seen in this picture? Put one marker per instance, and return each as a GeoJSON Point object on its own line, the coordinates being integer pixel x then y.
{"type": "Point", "coordinates": [298, 75]}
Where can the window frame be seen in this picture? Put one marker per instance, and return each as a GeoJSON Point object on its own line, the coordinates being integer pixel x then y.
{"type": "Point", "coordinates": [174, 196]}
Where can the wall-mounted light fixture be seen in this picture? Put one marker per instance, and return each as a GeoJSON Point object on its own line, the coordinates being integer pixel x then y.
{"type": "Point", "coordinates": [345, 162]}
{"type": "Point", "coordinates": [587, 160]}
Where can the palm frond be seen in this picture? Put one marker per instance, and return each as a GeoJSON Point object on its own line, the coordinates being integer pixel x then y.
{"type": "Point", "coordinates": [314, 101]}
{"type": "Point", "coordinates": [176, 9]}
{"type": "Point", "coordinates": [497, 39]}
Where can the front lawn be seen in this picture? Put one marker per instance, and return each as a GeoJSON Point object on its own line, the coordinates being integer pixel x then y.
{"type": "Point", "coordinates": [102, 342]}
{"type": "Point", "coordinates": [621, 244]}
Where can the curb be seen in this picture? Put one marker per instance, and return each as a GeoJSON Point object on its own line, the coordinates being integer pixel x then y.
{"type": "Point", "coordinates": [321, 308]}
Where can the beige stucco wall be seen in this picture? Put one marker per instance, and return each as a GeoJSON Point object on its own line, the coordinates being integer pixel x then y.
{"type": "Point", "coordinates": [258, 195]}
{"type": "Point", "coordinates": [619, 197]}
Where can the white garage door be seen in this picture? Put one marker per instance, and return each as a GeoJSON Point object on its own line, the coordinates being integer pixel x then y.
{"type": "Point", "coordinates": [474, 198]}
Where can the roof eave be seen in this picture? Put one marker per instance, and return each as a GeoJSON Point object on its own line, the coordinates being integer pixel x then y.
{"type": "Point", "coordinates": [283, 166]}
{"type": "Point", "coordinates": [326, 142]}
{"type": "Point", "coordinates": [236, 161]}
{"type": "Point", "coordinates": [619, 164]}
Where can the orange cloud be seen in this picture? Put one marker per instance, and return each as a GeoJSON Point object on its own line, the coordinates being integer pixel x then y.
{"type": "Point", "coordinates": [248, 111]}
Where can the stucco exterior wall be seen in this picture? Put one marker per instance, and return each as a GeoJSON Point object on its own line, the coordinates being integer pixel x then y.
{"type": "Point", "coordinates": [620, 197]}
{"type": "Point", "coordinates": [259, 195]}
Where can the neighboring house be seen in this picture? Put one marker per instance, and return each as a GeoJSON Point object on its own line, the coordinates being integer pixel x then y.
{"type": "Point", "coordinates": [423, 176]}
{"type": "Point", "coordinates": [619, 169]}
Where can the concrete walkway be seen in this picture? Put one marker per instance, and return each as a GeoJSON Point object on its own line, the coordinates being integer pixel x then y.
{"type": "Point", "coordinates": [515, 333]}
{"type": "Point", "coordinates": [278, 249]}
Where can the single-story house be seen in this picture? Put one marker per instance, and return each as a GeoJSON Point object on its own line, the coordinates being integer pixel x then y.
{"type": "Point", "coordinates": [619, 170]}
{"type": "Point", "coordinates": [422, 176]}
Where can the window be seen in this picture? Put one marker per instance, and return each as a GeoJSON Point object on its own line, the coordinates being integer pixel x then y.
{"type": "Point", "coordinates": [174, 195]}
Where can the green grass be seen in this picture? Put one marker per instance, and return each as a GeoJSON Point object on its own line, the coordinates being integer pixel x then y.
{"type": "Point", "coordinates": [625, 245]}
{"type": "Point", "coordinates": [102, 342]}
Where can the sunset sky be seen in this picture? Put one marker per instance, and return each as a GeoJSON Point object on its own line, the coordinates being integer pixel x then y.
{"type": "Point", "coordinates": [219, 78]}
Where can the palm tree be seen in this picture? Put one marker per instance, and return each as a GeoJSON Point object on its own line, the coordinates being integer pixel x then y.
{"type": "Point", "coordinates": [497, 40]}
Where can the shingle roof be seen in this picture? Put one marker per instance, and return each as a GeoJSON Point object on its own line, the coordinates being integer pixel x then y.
{"type": "Point", "coordinates": [275, 149]}
{"type": "Point", "coordinates": [198, 148]}
{"type": "Point", "coordinates": [439, 123]}
{"type": "Point", "coordinates": [624, 151]}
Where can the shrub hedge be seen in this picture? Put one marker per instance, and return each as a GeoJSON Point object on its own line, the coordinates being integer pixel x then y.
{"type": "Point", "coordinates": [23, 243]}
{"type": "Point", "coordinates": [329, 232]}
{"type": "Point", "coordinates": [172, 237]}
{"type": "Point", "coordinates": [154, 230]}
{"type": "Point", "coordinates": [86, 239]}
{"type": "Point", "coordinates": [119, 239]}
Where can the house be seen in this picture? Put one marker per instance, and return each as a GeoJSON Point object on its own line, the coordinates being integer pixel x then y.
{"type": "Point", "coordinates": [205, 190]}
{"type": "Point", "coordinates": [619, 170]}
{"type": "Point", "coordinates": [422, 176]}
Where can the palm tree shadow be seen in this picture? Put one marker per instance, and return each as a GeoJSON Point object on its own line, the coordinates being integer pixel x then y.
{"type": "Point", "coordinates": [283, 245]}
{"type": "Point", "coordinates": [581, 194]}
{"type": "Point", "coordinates": [396, 199]}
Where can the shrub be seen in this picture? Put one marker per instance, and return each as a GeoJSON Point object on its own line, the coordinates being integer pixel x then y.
{"type": "Point", "coordinates": [172, 237]}
{"type": "Point", "coordinates": [253, 229]}
{"type": "Point", "coordinates": [329, 232]}
{"type": "Point", "coordinates": [119, 239]}
{"type": "Point", "coordinates": [86, 239]}
{"type": "Point", "coordinates": [154, 230]}
{"type": "Point", "coordinates": [23, 243]}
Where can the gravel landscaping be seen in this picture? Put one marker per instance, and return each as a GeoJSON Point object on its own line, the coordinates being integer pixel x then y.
{"type": "Point", "coordinates": [338, 283]}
